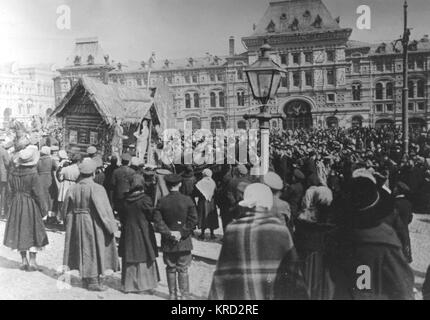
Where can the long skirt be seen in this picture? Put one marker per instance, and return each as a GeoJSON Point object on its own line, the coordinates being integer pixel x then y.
{"type": "Point", "coordinates": [24, 228]}
{"type": "Point", "coordinates": [138, 277]}
{"type": "Point", "coordinates": [207, 214]}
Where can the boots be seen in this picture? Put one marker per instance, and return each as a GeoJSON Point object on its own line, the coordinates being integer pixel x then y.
{"type": "Point", "coordinates": [171, 283]}
{"type": "Point", "coordinates": [24, 264]}
{"type": "Point", "coordinates": [33, 266]}
{"type": "Point", "coordinates": [95, 284]}
{"type": "Point", "coordinates": [184, 286]}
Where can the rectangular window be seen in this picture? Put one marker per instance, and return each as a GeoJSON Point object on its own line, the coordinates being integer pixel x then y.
{"type": "Point", "coordinates": [296, 58]}
{"type": "Point", "coordinates": [379, 66]}
{"type": "Point", "coordinates": [411, 106]}
{"type": "Point", "coordinates": [73, 137]}
{"type": "Point", "coordinates": [421, 106]}
{"type": "Point", "coordinates": [390, 107]}
{"type": "Point", "coordinates": [331, 97]}
{"type": "Point", "coordinates": [212, 77]}
{"type": "Point", "coordinates": [356, 67]}
{"type": "Point", "coordinates": [296, 79]}
{"type": "Point", "coordinates": [220, 77]}
{"type": "Point", "coordinates": [308, 57]}
{"type": "Point", "coordinates": [240, 74]}
{"type": "Point", "coordinates": [139, 82]}
{"type": "Point", "coordinates": [420, 63]}
{"type": "Point", "coordinates": [330, 77]}
{"type": "Point", "coordinates": [388, 65]}
{"type": "Point", "coordinates": [284, 59]}
{"type": "Point", "coordinates": [379, 108]}
{"type": "Point", "coordinates": [411, 64]}
{"type": "Point", "coordinates": [330, 56]}
{"type": "Point", "coordinates": [284, 82]}
{"type": "Point", "coordinates": [309, 78]}
{"type": "Point", "coordinates": [195, 78]}
{"type": "Point", "coordinates": [94, 138]}
{"type": "Point", "coordinates": [187, 79]}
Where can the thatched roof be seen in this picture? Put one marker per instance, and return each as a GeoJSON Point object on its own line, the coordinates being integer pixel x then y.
{"type": "Point", "coordinates": [113, 101]}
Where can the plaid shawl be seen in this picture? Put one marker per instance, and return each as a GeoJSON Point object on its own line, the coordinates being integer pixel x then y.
{"type": "Point", "coordinates": [257, 261]}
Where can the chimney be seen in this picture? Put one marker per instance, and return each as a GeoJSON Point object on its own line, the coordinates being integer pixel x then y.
{"type": "Point", "coordinates": [231, 46]}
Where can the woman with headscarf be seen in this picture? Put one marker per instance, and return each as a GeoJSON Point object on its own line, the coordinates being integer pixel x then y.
{"type": "Point", "coordinates": [312, 227]}
{"type": "Point", "coordinates": [206, 208]}
{"type": "Point", "coordinates": [138, 246]}
{"type": "Point", "coordinates": [258, 260]}
{"type": "Point", "coordinates": [25, 230]}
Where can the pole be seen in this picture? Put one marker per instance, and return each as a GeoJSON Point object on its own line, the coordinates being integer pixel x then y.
{"type": "Point", "coordinates": [405, 119]}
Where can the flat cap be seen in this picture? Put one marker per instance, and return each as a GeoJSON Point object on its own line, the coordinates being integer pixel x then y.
{"type": "Point", "coordinates": [126, 157]}
{"type": "Point", "coordinates": [273, 181]}
{"type": "Point", "coordinates": [298, 174]}
{"type": "Point", "coordinates": [173, 179]}
{"type": "Point", "coordinates": [91, 150]}
{"type": "Point", "coordinates": [87, 166]}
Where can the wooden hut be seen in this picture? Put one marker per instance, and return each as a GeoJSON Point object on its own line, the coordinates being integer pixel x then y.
{"type": "Point", "coordinates": [89, 110]}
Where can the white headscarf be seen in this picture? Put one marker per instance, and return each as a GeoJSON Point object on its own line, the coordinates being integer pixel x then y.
{"type": "Point", "coordinates": [206, 185]}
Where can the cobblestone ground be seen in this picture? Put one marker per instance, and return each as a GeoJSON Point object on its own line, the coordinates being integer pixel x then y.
{"type": "Point", "coordinates": [16, 284]}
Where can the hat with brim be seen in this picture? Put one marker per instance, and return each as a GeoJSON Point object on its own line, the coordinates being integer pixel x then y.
{"type": "Point", "coordinates": [27, 157]}
{"type": "Point", "coordinates": [257, 195]}
{"type": "Point", "coordinates": [163, 172]}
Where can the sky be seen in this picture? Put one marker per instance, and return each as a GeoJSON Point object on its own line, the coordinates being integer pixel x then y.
{"type": "Point", "coordinates": [132, 29]}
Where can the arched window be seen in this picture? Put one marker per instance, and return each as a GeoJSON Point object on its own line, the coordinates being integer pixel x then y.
{"type": "Point", "coordinates": [195, 123]}
{"type": "Point", "coordinates": [241, 98]}
{"type": "Point", "coordinates": [411, 87]}
{"type": "Point", "coordinates": [20, 107]}
{"type": "Point", "coordinates": [187, 101]}
{"type": "Point", "coordinates": [241, 124]}
{"type": "Point", "coordinates": [389, 91]}
{"type": "Point", "coordinates": [379, 91]}
{"type": "Point", "coordinates": [420, 89]}
{"type": "Point", "coordinates": [29, 107]}
{"type": "Point", "coordinates": [213, 100]}
{"type": "Point", "coordinates": [218, 123]}
{"type": "Point", "coordinates": [196, 100]}
{"type": "Point", "coordinates": [356, 92]}
{"type": "Point", "coordinates": [221, 99]}
{"type": "Point", "coordinates": [357, 122]}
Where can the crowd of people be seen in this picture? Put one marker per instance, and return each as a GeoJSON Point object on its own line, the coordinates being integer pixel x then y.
{"type": "Point", "coordinates": [328, 221]}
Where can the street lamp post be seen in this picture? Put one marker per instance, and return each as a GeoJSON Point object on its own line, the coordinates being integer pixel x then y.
{"type": "Point", "coordinates": [264, 78]}
{"type": "Point", "coordinates": [405, 91]}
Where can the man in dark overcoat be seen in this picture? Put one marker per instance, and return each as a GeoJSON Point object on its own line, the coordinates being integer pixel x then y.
{"type": "Point", "coordinates": [121, 181]}
{"type": "Point", "coordinates": [179, 214]}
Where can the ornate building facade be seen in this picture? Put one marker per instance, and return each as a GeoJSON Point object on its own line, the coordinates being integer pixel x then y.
{"type": "Point", "coordinates": [25, 91]}
{"type": "Point", "coordinates": [330, 81]}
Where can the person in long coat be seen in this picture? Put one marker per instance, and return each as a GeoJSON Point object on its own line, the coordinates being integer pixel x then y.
{"type": "Point", "coordinates": [365, 255]}
{"type": "Point", "coordinates": [25, 230]}
{"type": "Point", "coordinates": [188, 181]}
{"type": "Point", "coordinates": [206, 208]}
{"type": "Point", "coordinates": [67, 177]}
{"type": "Point", "coordinates": [90, 245]}
{"type": "Point", "coordinates": [4, 168]}
{"type": "Point", "coordinates": [258, 259]}
{"type": "Point", "coordinates": [138, 246]}
{"type": "Point", "coordinates": [45, 168]}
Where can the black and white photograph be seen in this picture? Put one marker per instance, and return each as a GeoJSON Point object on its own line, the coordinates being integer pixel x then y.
{"type": "Point", "coordinates": [207, 151]}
